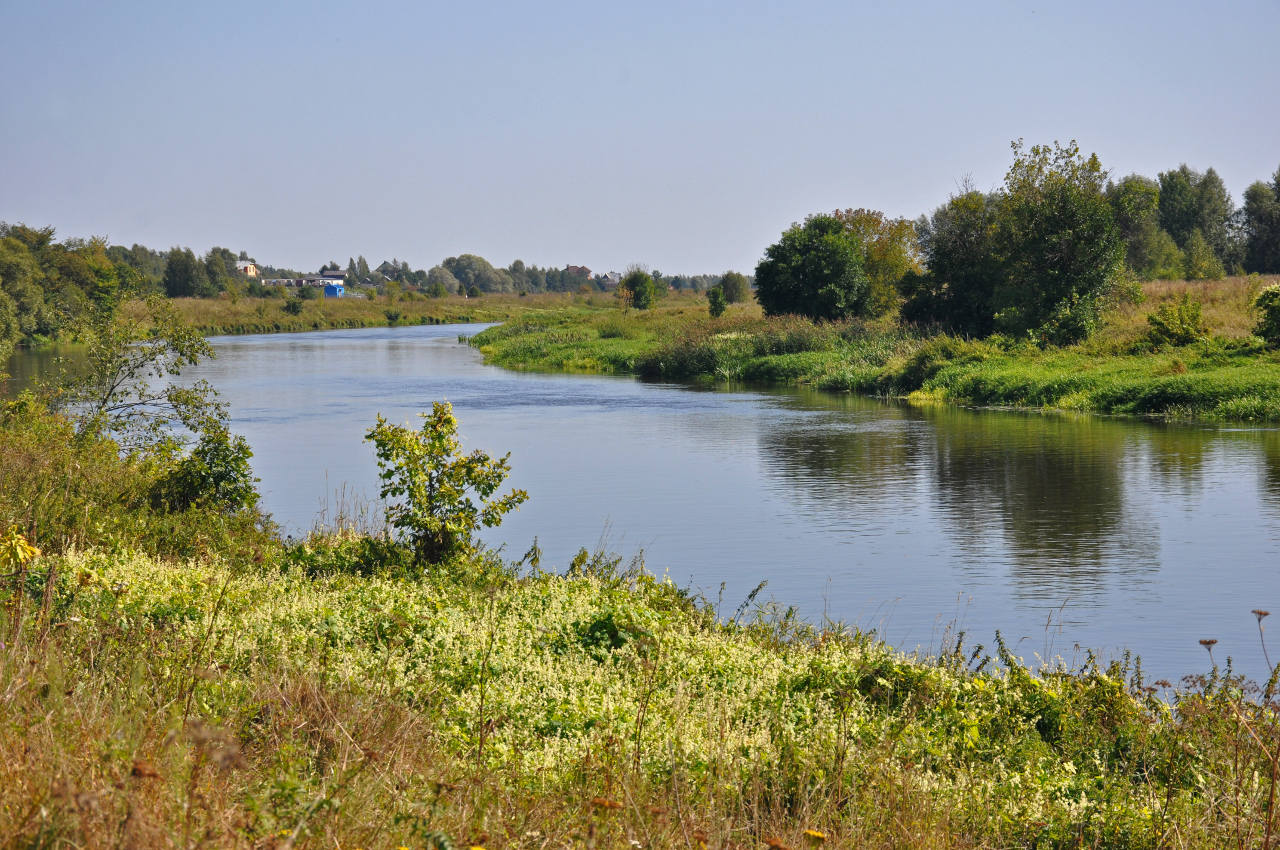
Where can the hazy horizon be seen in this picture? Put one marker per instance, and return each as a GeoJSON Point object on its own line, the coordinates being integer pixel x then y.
{"type": "Point", "coordinates": [682, 136]}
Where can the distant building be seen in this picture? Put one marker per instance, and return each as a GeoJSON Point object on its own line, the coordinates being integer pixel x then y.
{"type": "Point", "coordinates": [580, 271]}
{"type": "Point", "coordinates": [609, 281]}
{"type": "Point", "coordinates": [333, 290]}
{"type": "Point", "coordinates": [248, 268]}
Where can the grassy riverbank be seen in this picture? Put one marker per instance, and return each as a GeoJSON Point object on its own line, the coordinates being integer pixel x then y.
{"type": "Point", "coordinates": [1226, 375]}
{"type": "Point", "coordinates": [244, 315]}
{"type": "Point", "coordinates": [317, 699]}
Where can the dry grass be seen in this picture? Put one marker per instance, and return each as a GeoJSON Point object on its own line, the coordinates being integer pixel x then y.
{"type": "Point", "coordinates": [1227, 308]}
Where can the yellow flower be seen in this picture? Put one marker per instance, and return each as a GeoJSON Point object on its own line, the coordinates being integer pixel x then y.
{"type": "Point", "coordinates": [815, 836]}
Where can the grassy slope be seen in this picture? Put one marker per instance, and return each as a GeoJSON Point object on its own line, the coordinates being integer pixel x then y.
{"type": "Point", "coordinates": [160, 704]}
{"type": "Point", "coordinates": [1228, 376]}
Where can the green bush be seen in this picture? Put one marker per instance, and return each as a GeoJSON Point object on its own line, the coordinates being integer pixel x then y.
{"type": "Point", "coordinates": [716, 302]}
{"type": "Point", "coordinates": [427, 470]}
{"type": "Point", "coordinates": [1268, 307]}
{"type": "Point", "coordinates": [1179, 323]}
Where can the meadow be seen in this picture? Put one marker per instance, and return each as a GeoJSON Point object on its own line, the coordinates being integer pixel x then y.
{"type": "Point", "coordinates": [314, 696]}
{"type": "Point", "coordinates": [246, 315]}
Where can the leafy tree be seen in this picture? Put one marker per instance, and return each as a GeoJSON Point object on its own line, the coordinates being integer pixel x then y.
{"type": "Point", "coordinates": [958, 244]}
{"type": "Point", "coordinates": [1189, 201]}
{"type": "Point", "coordinates": [735, 287]}
{"type": "Point", "coordinates": [125, 390]}
{"type": "Point", "coordinates": [216, 474]}
{"type": "Point", "coordinates": [638, 288]}
{"type": "Point", "coordinates": [814, 270]}
{"type": "Point", "coordinates": [1261, 224]}
{"type": "Point", "coordinates": [431, 480]}
{"type": "Point", "coordinates": [473, 271]}
{"type": "Point", "coordinates": [1057, 238]}
{"type": "Point", "coordinates": [185, 276]}
{"type": "Point", "coordinates": [1135, 204]}
{"type": "Point", "coordinates": [362, 268]}
{"type": "Point", "coordinates": [1201, 263]}
{"type": "Point", "coordinates": [440, 276]}
{"type": "Point", "coordinates": [292, 306]}
{"type": "Point", "coordinates": [890, 249]}
{"type": "Point", "coordinates": [717, 301]}
{"type": "Point", "coordinates": [9, 332]}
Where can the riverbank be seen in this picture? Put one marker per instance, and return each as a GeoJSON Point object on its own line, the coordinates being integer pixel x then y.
{"type": "Point", "coordinates": [316, 698]}
{"type": "Point", "coordinates": [225, 316]}
{"type": "Point", "coordinates": [1225, 375]}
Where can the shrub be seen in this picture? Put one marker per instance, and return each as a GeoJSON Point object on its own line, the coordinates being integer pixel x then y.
{"type": "Point", "coordinates": [216, 475]}
{"type": "Point", "coordinates": [1268, 306]}
{"type": "Point", "coordinates": [716, 302]}
{"type": "Point", "coordinates": [1179, 323]}
{"type": "Point", "coordinates": [292, 306]}
{"type": "Point", "coordinates": [427, 470]}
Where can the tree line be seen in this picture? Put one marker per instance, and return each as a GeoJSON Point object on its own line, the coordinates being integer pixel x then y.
{"type": "Point", "coordinates": [1038, 257]}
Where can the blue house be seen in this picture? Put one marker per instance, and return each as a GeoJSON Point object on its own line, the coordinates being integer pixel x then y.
{"type": "Point", "coordinates": [333, 290]}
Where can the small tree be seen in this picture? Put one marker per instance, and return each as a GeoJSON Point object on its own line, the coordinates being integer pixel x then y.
{"type": "Point", "coordinates": [431, 478]}
{"type": "Point", "coordinates": [716, 301]}
{"type": "Point", "coordinates": [814, 270]}
{"type": "Point", "coordinates": [639, 289]}
{"type": "Point", "coordinates": [736, 288]}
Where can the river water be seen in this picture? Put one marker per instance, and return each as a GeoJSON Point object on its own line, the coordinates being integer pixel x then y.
{"type": "Point", "coordinates": [1066, 533]}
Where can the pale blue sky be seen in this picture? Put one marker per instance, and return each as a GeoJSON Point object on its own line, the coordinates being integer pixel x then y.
{"type": "Point", "coordinates": [682, 135]}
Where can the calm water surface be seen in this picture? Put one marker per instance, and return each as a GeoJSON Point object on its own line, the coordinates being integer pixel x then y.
{"type": "Point", "coordinates": [1062, 532]}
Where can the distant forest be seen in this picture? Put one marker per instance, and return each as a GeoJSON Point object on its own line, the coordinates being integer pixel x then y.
{"type": "Point", "coordinates": [47, 286]}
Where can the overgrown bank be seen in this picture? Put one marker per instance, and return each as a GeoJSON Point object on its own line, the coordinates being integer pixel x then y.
{"type": "Point", "coordinates": [1221, 372]}
{"type": "Point", "coordinates": [315, 700]}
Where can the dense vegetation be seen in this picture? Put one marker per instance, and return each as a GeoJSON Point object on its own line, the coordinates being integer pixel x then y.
{"type": "Point", "coordinates": [1188, 350]}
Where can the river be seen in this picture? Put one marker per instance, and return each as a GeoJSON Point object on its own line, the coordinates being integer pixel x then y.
{"type": "Point", "coordinates": [1064, 532]}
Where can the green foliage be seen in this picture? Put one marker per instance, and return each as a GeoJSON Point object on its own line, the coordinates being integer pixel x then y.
{"type": "Point", "coordinates": [125, 389]}
{"type": "Point", "coordinates": [1059, 244]}
{"type": "Point", "coordinates": [1191, 201]}
{"type": "Point", "coordinates": [1201, 263]}
{"type": "Point", "coordinates": [216, 474]}
{"type": "Point", "coordinates": [814, 270]}
{"type": "Point", "coordinates": [1268, 307]}
{"type": "Point", "coordinates": [430, 476]}
{"type": "Point", "coordinates": [638, 288]}
{"type": "Point", "coordinates": [1179, 323]}
{"type": "Point", "coordinates": [717, 302]}
{"type": "Point", "coordinates": [185, 276]}
{"type": "Point", "coordinates": [72, 490]}
{"type": "Point", "coordinates": [292, 306]}
{"type": "Point", "coordinates": [1261, 223]}
{"type": "Point", "coordinates": [958, 243]}
{"type": "Point", "coordinates": [890, 251]}
{"type": "Point", "coordinates": [735, 287]}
